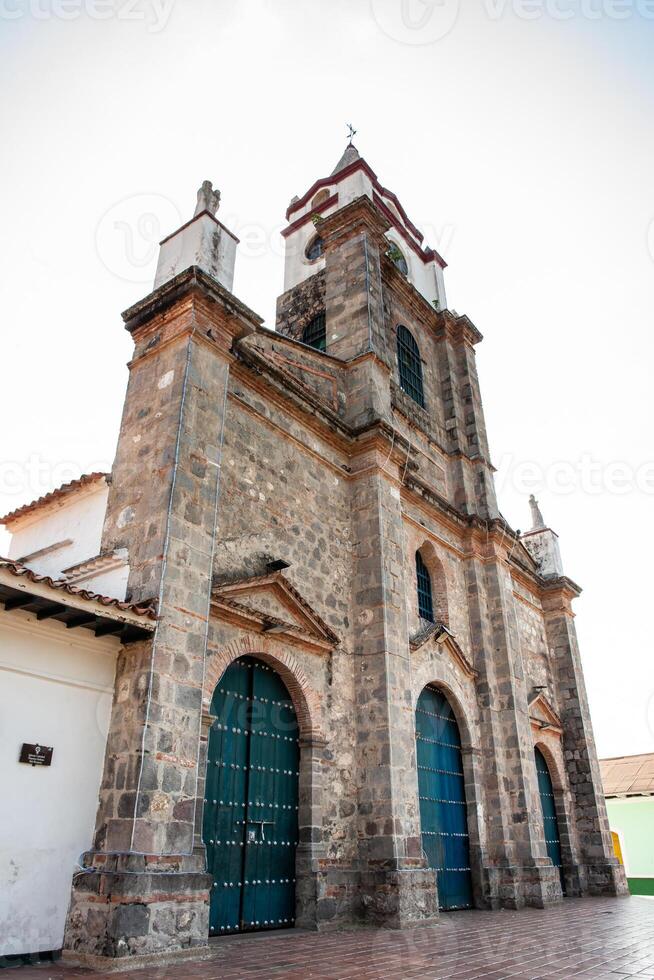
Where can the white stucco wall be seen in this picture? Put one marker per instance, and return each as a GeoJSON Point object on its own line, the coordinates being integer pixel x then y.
{"type": "Point", "coordinates": [78, 517]}
{"type": "Point", "coordinates": [55, 688]}
{"type": "Point", "coordinates": [297, 267]}
{"type": "Point", "coordinates": [423, 275]}
{"type": "Point", "coordinates": [203, 242]}
{"type": "Point", "coordinates": [427, 277]}
{"type": "Point", "coordinates": [113, 582]}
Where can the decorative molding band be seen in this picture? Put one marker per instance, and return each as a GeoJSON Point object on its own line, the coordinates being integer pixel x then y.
{"type": "Point", "coordinates": [45, 675]}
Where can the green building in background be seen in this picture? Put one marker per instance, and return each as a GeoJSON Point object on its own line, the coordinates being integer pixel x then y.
{"type": "Point", "coordinates": [629, 790]}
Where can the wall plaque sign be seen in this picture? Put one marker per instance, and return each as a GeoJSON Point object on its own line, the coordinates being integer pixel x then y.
{"type": "Point", "coordinates": [35, 754]}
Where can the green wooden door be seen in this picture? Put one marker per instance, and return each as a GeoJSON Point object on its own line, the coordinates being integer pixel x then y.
{"type": "Point", "coordinates": [550, 821]}
{"type": "Point", "coordinates": [443, 812]}
{"type": "Point", "coordinates": [250, 823]}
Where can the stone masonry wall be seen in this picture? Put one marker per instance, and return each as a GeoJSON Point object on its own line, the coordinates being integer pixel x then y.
{"type": "Point", "coordinates": [287, 496]}
{"type": "Point", "coordinates": [300, 305]}
{"type": "Point", "coordinates": [236, 450]}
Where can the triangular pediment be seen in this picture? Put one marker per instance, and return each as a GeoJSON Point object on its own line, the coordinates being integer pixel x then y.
{"type": "Point", "coordinates": [270, 604]}
{"type": "Point", "coordinates": [541, 713]}
{"type": "Point", "coordinates": [449, 644]}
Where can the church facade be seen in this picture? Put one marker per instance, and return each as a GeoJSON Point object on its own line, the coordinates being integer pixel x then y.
{"type": "Point", "coordinates": [363, 700]}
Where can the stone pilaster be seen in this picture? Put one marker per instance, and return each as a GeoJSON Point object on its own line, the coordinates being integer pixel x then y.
{"type": "Point", "coordinates": [498, 886]}
{"type": "Point", "coordinates": [526, 875]}
{"type": "Point", "coordinates": [146, 889]}
{"type": "Point", "coordinates": [601, 873]}
{"type": "Point", "coordinates": [353, 241]}
{"type": "Point", "coordinates": [473, 485]}
{"type": "Point", "coordinates": [396, 889]}
{"type": "Point", "coordinates": [310, 897]}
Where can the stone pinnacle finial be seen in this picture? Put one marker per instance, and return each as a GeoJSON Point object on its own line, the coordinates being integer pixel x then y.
{"type": "Point", "coordinates": [208, 199]}
{"type": "Point", "coordinates": [536, 516]}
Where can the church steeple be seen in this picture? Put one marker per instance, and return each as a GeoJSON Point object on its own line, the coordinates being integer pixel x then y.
{"type": "Point", "coordinates": [353, 178]}
{"type": "Point", "coordinates": [351, 155]}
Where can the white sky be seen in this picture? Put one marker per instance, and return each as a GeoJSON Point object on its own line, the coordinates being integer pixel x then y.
{"type": "Point", "coordinates": [519, 138]}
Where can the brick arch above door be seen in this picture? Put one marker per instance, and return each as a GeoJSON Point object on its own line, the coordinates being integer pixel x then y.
{"type": "Point", "coordinates": [306, 700]}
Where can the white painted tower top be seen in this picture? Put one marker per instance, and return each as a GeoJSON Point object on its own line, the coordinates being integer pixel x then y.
{"type": "Point", "coordinates": [203, 241]}
{"type": "Point", "coordinates": [352, 177]}
{"type": "Point", "coordinates": [542, 542]}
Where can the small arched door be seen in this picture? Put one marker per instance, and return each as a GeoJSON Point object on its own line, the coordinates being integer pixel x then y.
{"type": "Point", "coordinates": [250, 821]}
{"type": "Point", "coordinates": [548, 806]}
{"type": "Point", "coordinates": [443, 811]}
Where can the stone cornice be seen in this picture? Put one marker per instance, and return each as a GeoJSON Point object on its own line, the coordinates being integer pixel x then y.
{"type": "Point", "coordinates": [422, 310]}
{"type": "Point", "coordinates": [276, 336]}
{"type": "Point", "coordinates": [192, 279]}
{"type": "Point", "coordinates": [430, 496]}
{"type": "Point", "coordinates": [289, 387]}
{"type": "Point", "coordinates": [458, 328]}
{"type": "Point", "coordinates": [360, 214]}
{"type": "Point", "coordinates": [558, 593]}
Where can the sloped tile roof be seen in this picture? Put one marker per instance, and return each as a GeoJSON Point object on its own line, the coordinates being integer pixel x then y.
{"type": "Point", "coordinates": [147, 610]}
{"type": "Point", "coordinates": [628, 775]}
{"type": "Point", "coordinates": [66, 488]}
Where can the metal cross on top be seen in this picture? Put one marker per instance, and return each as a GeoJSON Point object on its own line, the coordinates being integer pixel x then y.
{"type": "Point", "coordinates": [351, 132]}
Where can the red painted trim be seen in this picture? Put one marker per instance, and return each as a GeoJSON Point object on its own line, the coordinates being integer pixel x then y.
{"type": "Point", "coordinates": [427, 254]}
{"type": "Point", "coordinates": [333, 179]}
{"type": "Point", "coordinates": [309, 215]}
{"type": "Point", "coordinates": [195, 218]}
{"type": "Point", "coordinates": [383, 190]}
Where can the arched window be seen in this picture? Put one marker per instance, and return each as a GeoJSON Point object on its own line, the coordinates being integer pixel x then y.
{"type": "Point", "coordinates": [320, 198]}
{"type": "Point", "coordinates": [314, 334]}
{"type": "Point", "coordinates": [397, 258]}
{"type": "Point", "coordinates": [401, 264]}
{"type": "Point", "coordinates": [314, 249]}
{"type": "Point", "coordinates": [409, 365]}
{"type": "Point", "coordinates": [425, 601]}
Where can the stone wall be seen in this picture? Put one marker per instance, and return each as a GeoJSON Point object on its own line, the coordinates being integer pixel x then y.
{"type": "Point", "coordinates": [239, 448]}
{"type": "Point", "coordinates": [297, 307]}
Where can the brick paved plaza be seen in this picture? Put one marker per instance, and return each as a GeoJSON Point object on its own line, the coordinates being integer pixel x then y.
{"type": "Point", "coordinates": [603, 939]}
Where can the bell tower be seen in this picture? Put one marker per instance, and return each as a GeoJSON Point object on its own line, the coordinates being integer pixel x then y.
{"type": "Point", "coordinates": [358, 275]}
{"type": "Point", "coordinates": [316, 249]}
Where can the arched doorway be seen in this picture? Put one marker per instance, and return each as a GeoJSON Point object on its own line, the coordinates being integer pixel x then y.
{"type": "Point", "coordinates": [441, 787]}
{"type": "Point", "coordinates": [250, 821]}
{"type": "Point", "coordinates": [548, 806]}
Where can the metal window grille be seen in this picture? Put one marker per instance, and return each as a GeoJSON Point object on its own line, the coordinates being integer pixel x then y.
{"type": "Point", "coordinates": [409, 365]}
{"type": "Point", "coordinates": [314, 249]}
{"type": "Point", "coordinates": [401, 263]}
{"type": "Point", "coordinates": [425, 602]}
{"type": "Point", "coordinates": [314, 334]}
